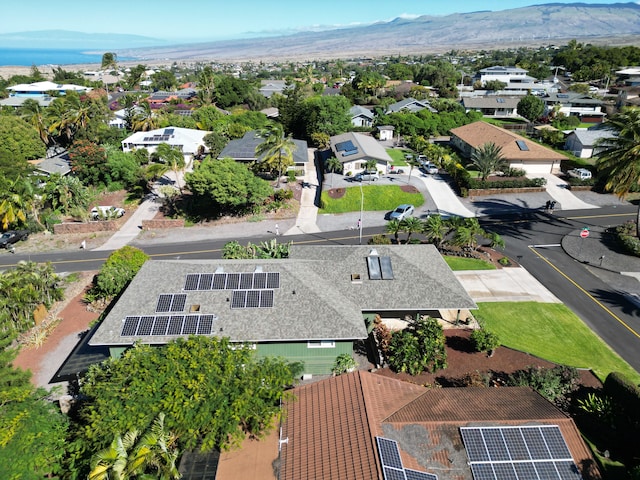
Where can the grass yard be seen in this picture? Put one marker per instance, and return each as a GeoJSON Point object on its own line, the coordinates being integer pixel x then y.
{"type": "Point", "coordinates": [553, 332]}
{"type": "Point", "coordinates": [397, 155]}
{"type": "Point", "coordinates": [460, 263]}
{"type": "Point", "coordinates": [376, 197]}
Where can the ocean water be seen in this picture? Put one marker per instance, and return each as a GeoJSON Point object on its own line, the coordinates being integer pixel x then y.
{"type": "Point", "coordinates": [42, 56]}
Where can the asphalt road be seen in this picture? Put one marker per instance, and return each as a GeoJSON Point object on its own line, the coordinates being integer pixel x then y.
{"type": "Point", "coordinates": [532, 239]}
{"type": "Point", "coordinates": [593, 294]}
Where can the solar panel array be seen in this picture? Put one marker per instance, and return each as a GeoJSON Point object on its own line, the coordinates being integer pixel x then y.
{"type": "Point", "coordinates": [345, 146]}
{"type": "Point", "coordinates": [167, 325]}
{"type": "Point", "coordinates": [157, 138]}
{"type": "Point", "coordinates": [252, 299]}
{"type": "Point", "coordinates": [232, 281]}
{"type": "Point", "coordinates": [379, 267]}
{"type": "Point", "coordinates": [170, 302]}
{"type": "Point", "coordinates": [519, 453]}
{"type": "Point", "coordinates": [392, 467]}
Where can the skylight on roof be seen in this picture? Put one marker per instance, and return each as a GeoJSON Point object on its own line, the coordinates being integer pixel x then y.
{"type": "Point", "coordinates": [522, 145]}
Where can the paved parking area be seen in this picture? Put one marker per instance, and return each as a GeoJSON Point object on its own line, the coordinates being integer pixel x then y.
{"type": "Point", "coordinates": [513, 284]}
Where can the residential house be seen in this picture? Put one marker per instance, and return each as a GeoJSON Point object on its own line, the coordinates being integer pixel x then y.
{"type": "Point", "coordinates": [164, 98]}
{"type": "Point", "coordinates": [17, 102]}
{"type": "Point", "coordinates": [573, 104]}
{"type": "Point", "coordinates": [410, 105]}
{"type": "Point", "coordinates": [44, 89]}
{"type": "Point", "coordinates": [582, 141]}
{"type": "Point", "coordinates": [309, 308]}
{"type": "Point", "coordinates": [364, 426]}
{"type": "Point", "coordinates": [190, 141]}
{"type": "Point", "coordinates": [244, 149]}
{"type": "Point", "coordinates": [516, 79]}
{"type": "Point", "coordinates": [361, 117]}
{"type": "Point", "coordinates": [355, 149]}
{"type": "Point", "coordinates": [492, 105]}
{"type": "Point", "coordinates": [630, 76]}
{"type": "Point", "coordinates": [269, 87]}
{"type": "Point", "coordinates": [59, 163]}
{"type": "Point", "coordinates": [519, 151]}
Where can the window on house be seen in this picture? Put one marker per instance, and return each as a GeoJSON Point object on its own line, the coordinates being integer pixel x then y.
{"type": "Point", "coordinates": [321, 344]}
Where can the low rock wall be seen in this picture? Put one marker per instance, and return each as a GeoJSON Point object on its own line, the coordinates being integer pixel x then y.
{"type": "Point", "coordinates": [86, 227]}
{"type": "Point", "coordinates": [166, 223]}
{"type": "Point", "coordinates": [479, 192]}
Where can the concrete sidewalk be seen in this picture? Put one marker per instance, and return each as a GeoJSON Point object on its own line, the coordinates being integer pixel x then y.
{"type": "Point", "coordinates": [308, 213]}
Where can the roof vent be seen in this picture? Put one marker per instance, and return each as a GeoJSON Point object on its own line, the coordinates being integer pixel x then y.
{"type": "Point", "coordinates": [258, 269]}
{"type": "Point", "coordinates": [373, 252]}
{"type": "Point", "coordinates": [219, 270]}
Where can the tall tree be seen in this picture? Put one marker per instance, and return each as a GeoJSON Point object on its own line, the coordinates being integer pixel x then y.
{"type": "Point", "coordinates": [173, 158]}
{"type": "Point", "coordinates": [531, 107]}
{"type": "Point", "coordinates": [488, 158]}
{"type": "Point", "coordinates": [411, 225]}
{"type": "Point", "coordinates": [619, 159]}
{"type": "Point", "coordinates": [276, 151]}
{"type": "Point", "coordinates": [33, 113]}
{"type": "Point", "coordinates": [333, 165]}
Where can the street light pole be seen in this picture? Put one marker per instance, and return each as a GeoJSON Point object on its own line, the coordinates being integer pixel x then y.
{"type": "Point", "coordinates": [361, 211]}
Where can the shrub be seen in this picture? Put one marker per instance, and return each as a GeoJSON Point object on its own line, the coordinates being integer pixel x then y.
{"type": "Point", "coordinates": [344, 363]}
{"type": "Point", "coordinates": [282, 195]}
{"type": "Point", "coordinates": [419, 347]}
{"type": "Point", "coordinates": [484, 340]}
{"type": "Point", "coordinates": [626, 234]}
{"type": "Point", "coordinates": [379, 239]}
{"type": "Point", "coordinates": [116, 273]}
{"type": "Point", "coordinates": [291, 176]}
{"type": "Point", "coordinates": [510, 183]}
{"type": "Point", "coordinates": [626, 397]}
{"type": "Point", "coordinates": [555, 384]}
{"type": "Point", "coordinates": [504, 261]}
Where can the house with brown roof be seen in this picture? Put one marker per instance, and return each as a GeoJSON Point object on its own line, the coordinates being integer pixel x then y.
{"type": "Point", "coordinates": [520, 152]}
{"type": "Point", "coordinates": [365, 426]}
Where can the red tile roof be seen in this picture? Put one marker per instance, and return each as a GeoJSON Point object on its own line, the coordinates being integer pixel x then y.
{"type": "Point", "coordinates": [478, 133]}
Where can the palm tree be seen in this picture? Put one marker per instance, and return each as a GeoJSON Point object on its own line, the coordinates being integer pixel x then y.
{"type": "Point", "coordinates": [619, 159]}
{"type": "Point", "coordinates": [144, 119]}
{"type": "Point", "coordinates": [333, 165]}
{"type": "Point", "coordinates": [411, 225]}
{"type": "Point", "coordinates": [488, 158]}
{"type": "Point", "coordinates": [276, 151]}
{"type": "Point", "coordinates": [394, 227]}
{"type": "Point", "coordinates": [466, 234]}
{"type": "Point", "coordinates": [131, 456]}
{"type": "Point", "coordinates": [412, 164]}
{"type": "Point", "coordinates": [435, 230]}
{"type": "Point", "coordinates": [173, 158]}
{"type": "Point", "coordinates": [32, 112]}
{"type": "Point", "coordinates": [14, 203]}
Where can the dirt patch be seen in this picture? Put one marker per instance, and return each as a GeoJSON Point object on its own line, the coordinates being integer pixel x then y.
{"type": "Point", "coordinates": [463, 360]}
{"type": "Point", "coordinates": [409, 189]}
{"type": "Point", "coordinates": [336, 192]}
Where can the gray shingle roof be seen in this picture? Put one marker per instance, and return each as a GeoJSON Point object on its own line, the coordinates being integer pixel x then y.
{"type": "Point", "coordinates": [317, 299]}
{"type": "Point", "coordinates": [410, 104]}
{"type": "Point", "coordinates": [244, 149]}
{"type": "Point", "coordinates": [367, 147]}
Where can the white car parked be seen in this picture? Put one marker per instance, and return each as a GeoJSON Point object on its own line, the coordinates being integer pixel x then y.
{"type": "Point", "coordinates": [106, 212]}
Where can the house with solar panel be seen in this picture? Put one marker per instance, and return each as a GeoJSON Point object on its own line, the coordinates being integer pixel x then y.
{"type": "Point", "coordinates": [190, 141]}
{"type": "Point", "coordinates": [244, 150]}
{"type": "Point", "coordinates": [520, 152]}
{"type": "Point", "coordinates": [354, 150]}
{"type": "Point", "coordinates": [574, 104]}
{"type": "Point", "coordinates": [308, 308]}
{"type": "Point", "coordinates": [364, 425]}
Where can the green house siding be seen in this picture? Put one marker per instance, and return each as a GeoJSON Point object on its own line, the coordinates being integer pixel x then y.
{"type": "Point", "coordinates": [317, 361]}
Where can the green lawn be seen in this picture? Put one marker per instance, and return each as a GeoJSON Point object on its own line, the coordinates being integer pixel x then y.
{"type": "Point", "coordinates": [376, 197]}
{"type": "Point", "coordinates": [553, 332]}
{"type": "Point", "coordinates": [460, 263]}
{"type": "Point", "coordinates": [397, 155]}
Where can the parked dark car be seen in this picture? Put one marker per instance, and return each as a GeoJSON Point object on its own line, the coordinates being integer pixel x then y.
{"type": "Point", "coordinates": [13, 236]}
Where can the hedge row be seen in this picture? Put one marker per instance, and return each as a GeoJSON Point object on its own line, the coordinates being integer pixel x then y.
{"type": "Point", "coordinates": [476, 183]}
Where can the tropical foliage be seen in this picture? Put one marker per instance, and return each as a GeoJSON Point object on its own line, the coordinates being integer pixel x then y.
{"type": "Point", "coordinates": [487, 159]}
{"type": "Point", "coordinates": [116, 273]}
{"type": "Point", "coordinates": [270, 249]}
{"type": "Point", "coordinates": [212, 395]}
{"type": "Point", "coordinates": [419, 347]}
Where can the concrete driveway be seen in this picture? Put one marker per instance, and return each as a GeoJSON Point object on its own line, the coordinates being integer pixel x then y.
{"type": "Point", "coordinates": [513, 284]}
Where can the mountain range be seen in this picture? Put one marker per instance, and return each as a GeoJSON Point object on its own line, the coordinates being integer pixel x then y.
{"type": "Point", "coordinates": [551, 23]}
{"type": "Point", "coordinates": [540, 24]}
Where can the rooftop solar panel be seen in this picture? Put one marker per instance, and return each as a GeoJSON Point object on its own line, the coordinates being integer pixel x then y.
{"type": "Point", "coordinates": [233, 281]}
{"type": "Point", "coordinates": [393, 474]}
{"type": "Point", "coordinates": [239, 299]}
{"type": "Point", "coordinates": [253, 299]}
{"type": "Point", "coordinates": [386, 268]}
{"type": "Point", "coordinates": [206, 279]}
{"type": "Point", "coordinates": [246, 281]}
{"type": "Point", "coordinates": [175, 325]}
{"type": "Point", "coordinates": [205, 327]}
{"type": "Point", "coordinates": [348, 153]}
{"type": "Point", "coordinates": [273, 280]}
{"type": "Point", "coordinates": [536, 444]}
{"type": "Point", "coordinates": [495, 445]}
{"type": "Point", "coordinates": [178, 302]}
{"type": "Point", "coordinates": [164, 303]}
{"type": "Point", "coordinates": [266, 298]}
{"type": "Point", "coordinates": [129, 327]}
{"type": "Point", "coordinates": [259, 280]}
{"type": "Point", "coordinates": [190, 326]}
{"type": "Point", "coordinates": [347, 145]}
{"type": "Point", "coordinates": [145, 326]}
{"type": "Point", "coordinates": [191, 281]}
{"type": "Point", "coordinates": [219, 281]}
{"type": "Point", "coordinates": [416, 475]}
{"type": "Point", "coordinates": [389, 454]}
{"type": "Point", "coordinates": [373, 264]}
{"type": "Point", "coordinates": [160, 325]}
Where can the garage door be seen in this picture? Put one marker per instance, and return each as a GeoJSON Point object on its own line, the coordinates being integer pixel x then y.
{"type": "Point", "coordinates": [534, 167]}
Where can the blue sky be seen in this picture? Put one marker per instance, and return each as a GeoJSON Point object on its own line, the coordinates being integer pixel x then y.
{"type": "Point", "coordinates": [215, 19]}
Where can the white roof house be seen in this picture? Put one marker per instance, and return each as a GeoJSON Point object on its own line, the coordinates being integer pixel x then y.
{"type": "Point", "coordinates": [42, 88]}
{"type": "Point", "coordinates": [187, 139]}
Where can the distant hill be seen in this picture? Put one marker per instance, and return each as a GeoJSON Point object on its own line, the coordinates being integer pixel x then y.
{"type": "Point", "coordinates": [539, 24]}
{"type": "Point", "coordinates": [63, 39]}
